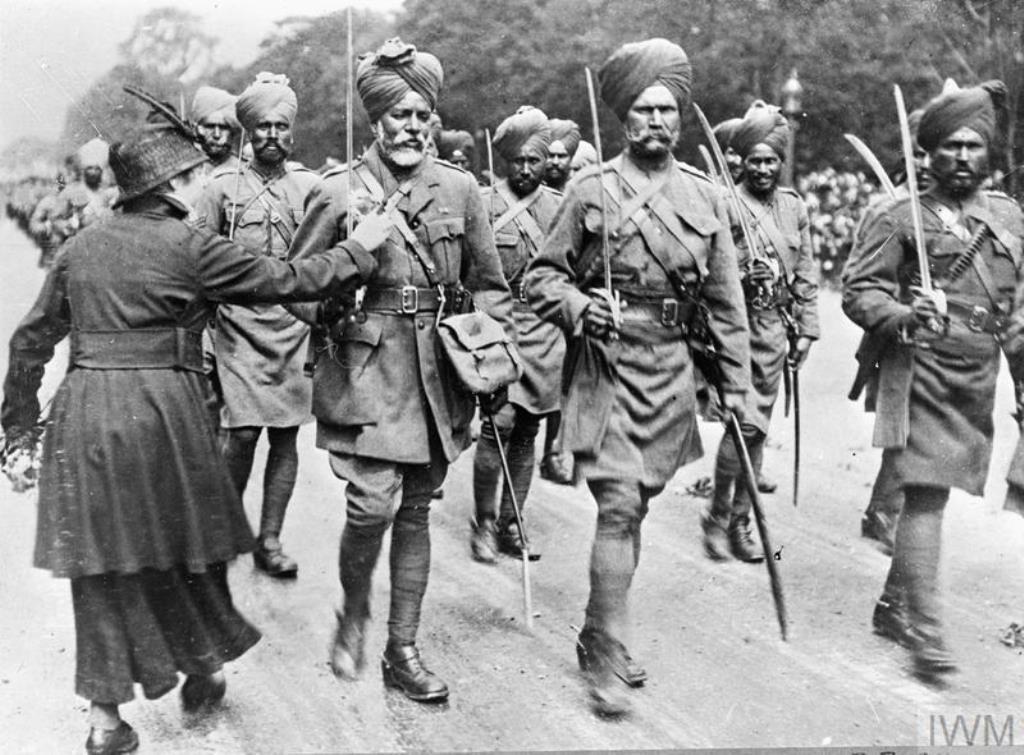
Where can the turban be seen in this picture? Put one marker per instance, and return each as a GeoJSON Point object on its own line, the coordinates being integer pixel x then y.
{"type": "Point", "coordinates": [210, 101]}
{"type": "Point", "coordinates": [455, 141]}
{"type": "Point", "coordinates": [527, 129]}
{"type": "Point", "coordinates": [638, 65]}
{"type": "Point", "coordinates": [725, 130]}
{"type": "Point", "coordinates": [566, 132]}
{"type": "Point", "coordinates": [585, 155]}
{"type": "Point", "coordinates": [268, 95]}
{"type": "Point", "coordinates": [384, 77]}
{"type": "Point", "coordinates": [93, 154]}
{"type": "Point", "coordinates": [973, 108]}
{"type": "Point", "coordinates": [763, 124]}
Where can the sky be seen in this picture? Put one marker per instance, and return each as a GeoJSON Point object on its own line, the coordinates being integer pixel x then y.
{"type": "Point", "coordinates": [51, 51]}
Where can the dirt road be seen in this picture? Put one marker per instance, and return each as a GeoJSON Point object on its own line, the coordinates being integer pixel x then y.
{"type": "Point", "coordinates": [719, 674]}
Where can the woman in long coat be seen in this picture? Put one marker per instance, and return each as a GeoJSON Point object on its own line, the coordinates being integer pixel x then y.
{"type": "Point", "coordinates": [136, 506]}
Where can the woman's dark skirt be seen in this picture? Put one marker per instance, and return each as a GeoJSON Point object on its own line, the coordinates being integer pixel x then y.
{"type": "Point", "coordinates": [146, 627]}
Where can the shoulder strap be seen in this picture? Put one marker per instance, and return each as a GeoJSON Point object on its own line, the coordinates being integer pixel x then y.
{"type": "Point", "coordinates": [391, 209]}
{"type": "Point", "coordinates": [764, 222]}
{"type": "Point", "coordinates": [517, 211]}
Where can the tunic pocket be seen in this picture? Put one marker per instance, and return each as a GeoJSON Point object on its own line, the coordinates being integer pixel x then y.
{"type": "Point", "coordinates": [357, 342]}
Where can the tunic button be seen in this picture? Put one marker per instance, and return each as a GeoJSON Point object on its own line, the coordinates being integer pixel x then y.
{"type": "Point", "coordinates": [414, 224]}
{"type": "Point", "coordinates": [421, 325]}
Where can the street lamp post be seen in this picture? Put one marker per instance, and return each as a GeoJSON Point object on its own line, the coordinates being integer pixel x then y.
{"type": "Point", "coordinates": [792, 106]}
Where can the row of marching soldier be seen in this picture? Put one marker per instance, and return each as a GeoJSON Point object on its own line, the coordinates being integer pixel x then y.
{"type": "Point", "coordinates": [605, 290]}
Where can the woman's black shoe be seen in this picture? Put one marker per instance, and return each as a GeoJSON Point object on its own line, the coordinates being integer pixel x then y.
{"type": "Point", "coordinates": [121, 740]}
{"type": "Point", "coordinates": [200, 691]}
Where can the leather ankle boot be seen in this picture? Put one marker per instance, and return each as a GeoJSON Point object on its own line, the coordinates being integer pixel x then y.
{"type": "Point", "coordinates": [484, 543]}
{"type": "Point", "coordinates": [741, 543]}
{"type": "Point", "coordinates": [404, 670]}
{"type": "Point", "coordinates": [348, 650]}
{"type": "Point", "coordinates": [628, 670]}
{"type": "Point", "coordinates": [603, 658]}
{"type": "Point", "coordinates": [716, 541]}
{"type": "Point", "coordinates": [889, 620]}
{"type": "Point", "coordinates": [930, 656]}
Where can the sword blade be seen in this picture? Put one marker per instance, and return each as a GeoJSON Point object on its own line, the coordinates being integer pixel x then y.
{"type": "Point", "coordinates": [796, 437]}
{"type": "Point", "coordinates": [869, 157]}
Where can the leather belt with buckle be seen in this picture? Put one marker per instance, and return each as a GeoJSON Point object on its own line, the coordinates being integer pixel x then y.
{"type": "Point", "coordinates": [667, 312]}
{"type": "Point", "coordinates": [978, 319]}
{"type": "Point", "coordinates": [407, 300]}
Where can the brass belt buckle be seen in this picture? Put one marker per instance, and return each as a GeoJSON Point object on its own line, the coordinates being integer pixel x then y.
{"type": "Point", "coordinates": [669, 312]}
{"type": "Point", "coordinates": [410, 300]}
{"type": "Point", "coordinates": [977, 320]}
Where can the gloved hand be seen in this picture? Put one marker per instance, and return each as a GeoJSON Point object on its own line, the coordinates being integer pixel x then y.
{"type": "Point", "coordinates": [373, 230]}
{"type": "Point", "coordinates": [491, 403]}
{"type": "Point", "coordinates": [598, 318]}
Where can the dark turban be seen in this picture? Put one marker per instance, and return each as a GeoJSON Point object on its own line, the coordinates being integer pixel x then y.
{"type": "Point", "coordinates": [529, 128]}
{"type": "Point", "coordinates": [973, 108]}
{"type": "Point", "coordinates": [455, 141]}
{"type": "Point", "coordinates": [268, 95]}
{"type": "Point", "coordinates": [763, 124]}
{"type": "Point", "coordinates": [384, 77]}
{"type": "Point", "coordinates": [566, 132]}
{"type": "Point", "coordinates": [724, 132]}
{"type": "Point", "coordinates": [638, 65]}
{"type": "Point", "coordinates": [213, 101]}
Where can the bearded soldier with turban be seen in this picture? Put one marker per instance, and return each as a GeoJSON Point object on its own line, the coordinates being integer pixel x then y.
{"type": "Point", "coordinates": [940, 348]}
{"type": "Point", "coordinates": [565, 138]}
{"type": "Point", "coordinates": [629, 409]}
{"type": "Point", "coordinates": [389, 409]}
{"type": "Point", "coordinates": [878, 522]}
{"type": "Point", "coordinates": [521, 209]}
{"type": "Point", "coordinates": [218, 128]}
{"type": "Point", "coordinates": [260, 351]}
{"type": "Point", "coordinates": [782, 295]}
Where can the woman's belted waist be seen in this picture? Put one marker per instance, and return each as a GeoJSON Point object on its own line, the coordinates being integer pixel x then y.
{"type": "Point", "coordinates": [142, 349]}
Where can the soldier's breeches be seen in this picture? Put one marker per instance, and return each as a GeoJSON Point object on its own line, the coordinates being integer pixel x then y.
{"type": "Point", "coordinates": [621, 508]}
{"type": "Point", "coordinates": [381, 494]}
{"type": "Point", "coordinates": [730, 498]}
{"type": "Point", "coordinates": [517, 429]}
{"type": "Point", "coordinates": [278, 479]}
{"type": "Point", "coordinates": [915, 561]}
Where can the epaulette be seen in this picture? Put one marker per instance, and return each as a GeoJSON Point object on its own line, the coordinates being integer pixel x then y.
{"type": "Point", "coordinates": [693, 171]}
{"type": "Point", "coordinates": [1001, 195]}
{"type": "Point", "coordinates": [296, 167]}
{"type": "Point", "coordinates": [452, 166]}
{"type": "Point", "coordinates": [555, 192]}
{"type": "Point", "coordinates": [337, 170]}
{"type": "Point", "coordinates": [789, 190]}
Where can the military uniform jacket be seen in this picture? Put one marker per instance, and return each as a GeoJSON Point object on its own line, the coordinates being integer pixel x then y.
{"type": "Point", "coordinates": [519, 228]}
{"type": "Point", "coordinates": [630, 408]}
{"type": "Point", "coordinates": [383, 389]}
{"type": "Point", "coordinates": [781, 230]}
{"type": "Point", "coordinates": [259, 350]}
{"type": "Point", "coordinates": [935, 397]}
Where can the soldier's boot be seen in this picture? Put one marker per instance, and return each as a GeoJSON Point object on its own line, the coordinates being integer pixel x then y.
{"type": "Point", "coordinates": [278, 483]}
{"type": "Point", "coordinates": [889, 620]}
{"type": "Point", "coordinates": [604, 655]}
{"type": "Point", "coordinates": [511, 542]}
{"type": "Point", "coordinates": [741, 543]}
{"type": "Point", "coordinates": [630, 671]}
{"type": "Point", "coordinates": [716, 540]}
{"type": "Point", "coordinates": [484, 542]}
{"type": "Point", "coordinates": [348, 649]}
{"type": "Point", "coordinates": [931, 658]}
{"type": "Point", "coordinates": [403, 669]}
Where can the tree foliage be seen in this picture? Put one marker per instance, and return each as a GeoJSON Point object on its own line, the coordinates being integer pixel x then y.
{"type": "Point", "coordinates": [498, 56]}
